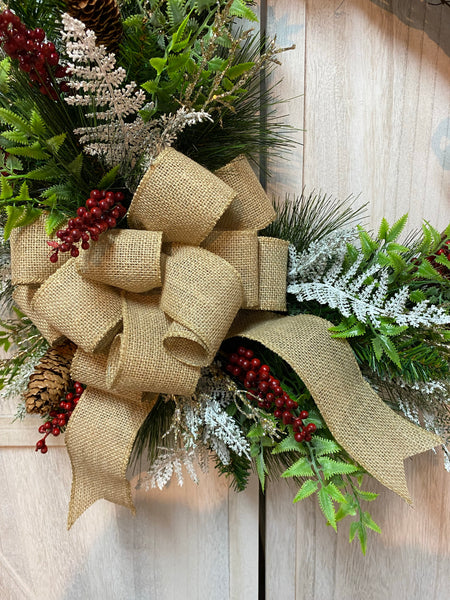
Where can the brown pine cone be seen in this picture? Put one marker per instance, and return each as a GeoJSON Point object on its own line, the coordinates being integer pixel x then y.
{"type": "Point", "coordinates": [50, 380]}
{"type": "Point", "coordinates": [102, 17]}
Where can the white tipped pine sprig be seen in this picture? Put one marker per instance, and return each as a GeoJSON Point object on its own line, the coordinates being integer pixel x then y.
{"type": "Point", "coordinates": [312, 263]}
{"type": "Point", "coordinates": [363, 294]}
{"type": "Point", "coordinates": [200, 423]}
{"type": "Point", "coordinates": [98, 83]}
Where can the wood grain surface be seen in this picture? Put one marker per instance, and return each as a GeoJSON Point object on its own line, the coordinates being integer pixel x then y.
{"type": "Point", "coordinates": [370, 89]}
{"type": "Point", "coordinates": [376, 120]}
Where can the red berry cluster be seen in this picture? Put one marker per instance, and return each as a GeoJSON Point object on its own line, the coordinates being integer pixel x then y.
{"type": "Point", "coordinates": [443, 251]}
{"type": "Point", "coordinates": [102, 211]}
{"type": "Point", "coordinates": [36, 57]}
{"type": "Point", "coordinates": [260, 383]}
{"type": "Point", "coordinates": [59, 418]}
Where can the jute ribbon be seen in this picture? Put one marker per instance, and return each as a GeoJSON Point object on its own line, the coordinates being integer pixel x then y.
{"type": "Point", "coordinates": [149, 306]}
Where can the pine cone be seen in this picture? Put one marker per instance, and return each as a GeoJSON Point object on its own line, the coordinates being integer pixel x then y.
{"type": "Point", "coordinates": [50, 380]}
{"type": "Point", "coordinates": [102, 17]}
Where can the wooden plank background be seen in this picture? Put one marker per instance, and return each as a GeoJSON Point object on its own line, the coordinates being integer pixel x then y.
{"type": "Point", "coordinates": [376, 119]}
{"type": "Point", "coordinates": [370, 82]}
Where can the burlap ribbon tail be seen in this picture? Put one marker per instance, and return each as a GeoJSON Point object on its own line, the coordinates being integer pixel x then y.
{"type": "Point", "coordinates": [151, 305]}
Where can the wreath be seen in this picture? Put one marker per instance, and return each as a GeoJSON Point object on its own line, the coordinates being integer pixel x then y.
{"type": "Point", "coordinates": [163, 307]}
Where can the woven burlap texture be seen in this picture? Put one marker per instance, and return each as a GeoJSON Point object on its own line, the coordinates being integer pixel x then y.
{"type": "Point", "coordinates": [88, 313]}
{"type": "Point", "coordinates": [202, 293]}
{"type": "Point", "coordinates": [180, 198]}
{"type": "Point", "coordinates": [251, 209]}
{"type": "Point", "coordinates": [23, 297]}
{"type": "Point", "coordinates": [102, 474]}
{"type": "Point", "coordinates": [123, 258]}
{"type": "Point", "coordinates": [30, 254]}
{"type": "Point", "coordinates": [240, 249]}
{"type": "Point", "coordinates": [272, 269]}
{"type": "Point", "coordinates": [167, 334]}
{"type": "Point", "coordinates": [138, 359]}
{"type": "Point", "coordinates": [375, 436]}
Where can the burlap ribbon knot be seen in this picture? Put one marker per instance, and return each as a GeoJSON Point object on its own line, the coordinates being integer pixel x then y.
{"type": "Point", "coordinates": [149, 306]}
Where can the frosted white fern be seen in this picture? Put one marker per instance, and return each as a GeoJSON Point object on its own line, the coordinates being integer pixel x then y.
{"type": "Point", "coordinates": [363, 294]}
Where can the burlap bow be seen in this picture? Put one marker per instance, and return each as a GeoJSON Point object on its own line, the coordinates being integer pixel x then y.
{"type": "Point", "coordinates": [149, 306]}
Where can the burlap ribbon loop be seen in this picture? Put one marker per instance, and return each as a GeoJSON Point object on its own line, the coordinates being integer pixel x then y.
{"type": "Point", "coordinates": [145, 321]}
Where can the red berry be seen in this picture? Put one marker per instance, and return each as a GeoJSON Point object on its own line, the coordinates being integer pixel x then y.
{"type": "Point", "coordinates": [264, 376]}
{"type": "Point", "coordinates": [85, 245]}
{"type": "Point", "coordinates": [48, 425]}
{"type": "Point", "coordinates": [111, 222]}
{"type": "Point", "coordinates": [308, 437]}
{"type": "Point", "coordinates": [39, 34]}
{"type": "Point", "coordinates": [279, 402]}
{"type": "Point", "coordinates": [41, 429]}
{"type": "Point", "coordinates": [251, 375]}
{"type": "Point", "coordinates": [249, 354]}
{"type": "Point", "coordinates": [265, 368]}
{"type": "Point", "coordinates": [234, 358]}
{"type": "Point", "coordinates": [256, 363]}
{"type": "Point", "coordinates": [287, 417]}
{"type": "Point", "coordinates": [44, 450]}
{"type": "Point", "coordinates": [311, 428]}
{"type": "Point", "coordinates": [263, 386]}
{"type": "Point", "coordinates": [91, 202]}
{"type": "Point", "coordinates": [299, 437]}
{"type": "Point", "coordinates": [270, 397]}
{"type": "Point", "coordinates": [277, 413]}
{"type": "Point", "coordinates": [303, 414]}
{"type": "Point", "coordinates": [290, 403]}
{"type": "Point", "coordinates": [242, 350]}
{"type": "Point", "coordinates": [40, 444]}
{"type": "Point", "coordinates": [120, 196]}
{"type": "Point", "coordinates": [236, 371]}
{"type": "Point", "coordinates": [54, 257]}
{"type": "Point", "coordinates": [245, 364]}
{"type": "Point", "coordinates": [56, 431]}
{"type": "Point", "coordinates": [277, 391]}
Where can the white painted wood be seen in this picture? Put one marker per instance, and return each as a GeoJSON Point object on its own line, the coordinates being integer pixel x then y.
{"type": "Point", "coordinates": [178, 545]}
{"type": "Point", "coordinates": [376, 114]}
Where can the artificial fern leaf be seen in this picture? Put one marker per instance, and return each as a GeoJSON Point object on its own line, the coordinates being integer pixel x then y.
{"type": "Point", "coordinates": [108, 179]}
{"type": "Point", "coordinates": [29, 216]}
{"type": "Point", "coordinates": [47, 172]}
{"type": "Point", "coordinates": [396, 229]}
{"type": "Point", "coordinates": [76, 166]}
{"type": "Point", "coordinates": [367, 496]}
{"type": "Point", "coordinates": [308, 487]}
{"type": "Point", "coordinates": [14, 215]}
{"type": "Point", "coordinates": [15, 136]}
{"type": "Point", "coordinates": [34, 151]}
{"type": "Point", "coordinates": [14, 164]}
{"type": "Point", "coordinates": [38, 125]}
{"type": "Point", "coordinates": [442, 260]}
{"type": "Point", "coordinates": [397, 262]}
{"type": "Point", "coordinates": [240, 9]}
{"type": "Point", "coordinates": [417, 296]}
{"type": "Point", "coordinates": [55, 142]}
{"type": "Point", "coordinates": [334, 492]}
{"type": "Point", "coordinates": [176, 12]}
{"type": "Point", "coordinates": [6, 189]}
{"type": "Point", "coordinates": [370, 523]}
{"type": "Point", "coordinates": [368, 246]}
{"type": "Point", "coordinates": [5, 69]}
{"type": "Point", "coordinates": [24, 195]}
{"type": "Point", "coordinates": [54, 221]}
{"type": "Point", "coordinates": [383, 230]}
{"type": "Point", "coordinates": [425, 270]}
{"type": "Point", "coordinates": [323, 446]}
{"type": "Point", "coordinates": [10, 118]}
{"type": "Point", "coordinates": [301, 468]}
{"type": "Point", "coordinates": [326, 506]}
{"type": "Point", "coordinates": [289, 444]}
{"type": "Point", "coordinates": [390, 349]}
{"type": "Point", "coordinates": [332, 467]}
